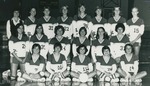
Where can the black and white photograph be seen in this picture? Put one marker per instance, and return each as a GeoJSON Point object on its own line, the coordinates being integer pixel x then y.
{"type": "Point", "coordinates": [74, 42]}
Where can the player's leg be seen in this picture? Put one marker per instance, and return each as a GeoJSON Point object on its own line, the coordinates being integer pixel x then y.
{"type": "Point", "coordinates": [139, 76]}
{"type": "Point", "coordinates": [137, 48]}
{"type": "Point", "coordinates": [14, 66]}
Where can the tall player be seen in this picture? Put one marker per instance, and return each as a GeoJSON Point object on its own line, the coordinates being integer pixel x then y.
{"type": "Point", "coordinates": [129, 64]}
{"type": "Point", "coordinates": [135, 30]}
{"type": "Point", "coordinates": [48, 22]}
{"type": "Point", "coordinates": [40, 38]}
{"type": "Point", "coordinates": [30, 22]}
{"type": "Point", "coordinates": [81, 67]}
{"type": "Point", "coordinates": [98, 21]}
{"type": "Point", "coordinates": [118, 42]}
{"type": "Point", "coordinates": [117, 18]}
{"type": "Point", "coordinates": [65, 21]}
{"type": "Point", "coordinates": [101, 40]}
{"type": "Point", "coordinates": [18, 47]}
{"type": "Point", "coordinates": [81, 20]}
{"type": "Point", "coordinates": [82, 39]}
{"type": "Point", "coordinates": [11, 24]}
{"type": "Point", "coordinates": [106, 66]}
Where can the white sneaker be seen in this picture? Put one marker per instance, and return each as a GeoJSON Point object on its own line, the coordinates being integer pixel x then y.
{"type": "Point", "coordinates": [48, 79]}
{"type": "Point", "coordinates": [123, 80]}
{"type": "Point", "coordinates": [138, 80]}
{"type": "Point", "coordinates": [115, 80]}
{"type": "Point", "coordinates": [75, 79]}
{"type": "Point", "coordinates": [90, 80]}
{"type": "Point", "coordinates": [66, 79]}
{"type": "Point", "coordinates": [20, 79]}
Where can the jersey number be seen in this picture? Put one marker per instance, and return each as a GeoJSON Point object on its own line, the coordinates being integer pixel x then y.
{"type": "Point", "coordinates": [66, 28]}
{"type": "Point", "coordinates": [136, 30]}
{"type": "Point", "coordinates": [50, 27]}
{"type": "Point", "coordinates": [23, 46]}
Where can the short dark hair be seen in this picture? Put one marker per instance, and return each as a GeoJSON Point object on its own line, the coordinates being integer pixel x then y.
{"type": "Point", "coordinates": [83, 28]}
{"type": "Point", "coordinates": [37, 27]}
{"type": "Point", "coordinates": [80, 46]}
{"type": "Point", "coordinates": [62, 8]}
{"type": "Point", "coordinates": [36, 45]}
{"type": "Point", "coordinates": [104, 48]}
{"type": "Point", "coordinates": [130, 46]}
{"type": "Point", "coordinates": [58, 45]}
{"type": "Point", "coordinates": [120, 25]}
{"type": "Point", "coordinates": [59, 27]}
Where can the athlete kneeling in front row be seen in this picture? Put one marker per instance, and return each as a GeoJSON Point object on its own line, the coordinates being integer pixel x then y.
{"type": "Point", "coordinates": [56, 65]}
{"type": "Point", "coordinates": [34, 65]}
{"type": "Point", "coordinates": [106, 66]}
{"type": "Point", "coordinates": [129, 66]}
{"type": "Point", "coordinates": [82, 69]}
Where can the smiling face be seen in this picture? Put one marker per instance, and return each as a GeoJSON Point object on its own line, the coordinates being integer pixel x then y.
{"type": "Point", "coordinates": [128, 49]}
{"type": "Point", "coordinates": [82, 9]}
{"type": "Point", "coordinates": [134, 12]}
{"type": "Point", "coordinates": [82, 50]}
{"type": "Point", "coordinates": [64, 10]}
{"type": "Point", "coordinates": [82, 32]}
{"type": "Point", "coordinates": [106, 52]}
{"type": "Point", "coordinates": [39, 30]}
{"type": "Point", "coordinates": [33, 12]}
{"type": "Point", "coordinates": [120, 30]}
{"type": "Point", "coordinates": [98, 12]}
{"type": "Point", "coordinates": [117, 11]}
{"type": "Point", "coordinates": [57, 49]}
{"type": "Point", "coordinates": [36, 50]}
{"type": "Point", "coordinates": [20, 29]}
{"type": "Point", "coordinates": [59, 32]}
{"type": "Point", "coordinates": [100, 32]}
{"type": "Point", "coordinates": [46, 12]}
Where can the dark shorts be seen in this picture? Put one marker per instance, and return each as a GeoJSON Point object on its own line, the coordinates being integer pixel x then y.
{"type": "Point", "coordinates": [136, 44]}
{"type": "Point", "coordinates": [15, 61]}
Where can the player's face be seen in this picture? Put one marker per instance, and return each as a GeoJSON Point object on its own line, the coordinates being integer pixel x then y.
{"type": "Point", "coordinates": [46, 12]}
{"type": "Point", "coordinates": [59, 32]}
{"type": "Point", "coordinates": [135, 12]}
{"type": "Point", "coordinates": [20, 29]}
{"type": "Point", "coordinates": [64, 10]}
{"type": "Point", "coordinates": [36, 50]}
{"type": "Point", "coordinates": [100, 32]}
{"type": "Point", "coordinates": [120, 30]}
{"type": "Point", "coordinates": [57, 49]}
{"type": "Point", "coordinates": [16, 13]}
{"type": "Point", "coordinates": [33, 12]}
{"type": "Point", "coordinates": [39, 29]}
{"type": "Point", "coordinates": [106, 52]}
{"type": "Point", "coordinates": [98, 11]}
{"type": "Point", "coordinates": [117, 11]}
{"type": "Point", "coordinates": [82, 32]}
{"type": "Point", "coordinates": [128, 49]}
{"type": "Point", "coordinates": [82, 9]}
{"type": "Point", "coordinates": [82, 50]}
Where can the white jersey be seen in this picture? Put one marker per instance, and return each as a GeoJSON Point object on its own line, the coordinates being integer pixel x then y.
{"type": "Point", "coordinates": [48, 29]}
{"type": "Point", "coordinates": [68, 30]}
{"type": "Point", "coordinates": [30, 29]}
{"type": "Point", "coordinates": [44, 48]}
{"type": "Point", "coordinates": [78, 24]}
{"type": "Point", "coordinates": [19, 48]}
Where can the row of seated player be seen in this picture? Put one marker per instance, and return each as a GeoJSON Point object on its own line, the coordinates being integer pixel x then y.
{"type": "Point", "coordinates": [34, 68]}
{"type": "Point", "coordinates": [20, 43]}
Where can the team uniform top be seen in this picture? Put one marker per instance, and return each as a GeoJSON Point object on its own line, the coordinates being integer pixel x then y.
{"type": "Point", "coordinates": [129, 65]}
{"type": "Point", "coordinates": [117, 46]}
{"type": "Point", "coordinates": [97, 48]}
{"type": "Point", "coordinates": [65, 42]}
{"type": "Point", "coordinates": [28, 21]}
{"type": "Point", "coordinates": [39, 61]}
{"type": "Point", "coordinates": [20, 47]}
{"type": "Point", "coordinates": [30, 26]}
{"type": "Point", "coordinates": [76, 43]}
{"type": "Point", "coordinates": [135, 29]}
{"type": "Point", "coordinates": [43, 42]}
{"type": "Point", "coordinates": [96, 24]}
{"type": "Point", "coordinates": [82, 67]}
{"type": "Point", "coordinates": [48, 26]}
{"type": "Point", "coordinates": [56, 65]}
{"type": "Point", "coordinates": [113, 24]}
{"type": "Point", "coordinates": [81, 22]}
{"type": "Point", "coordinates": [10, 27]}
{"type": "Point", "coordinates": [106, 66]}
{"type": "Point", "coordinates": [68, 26]}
